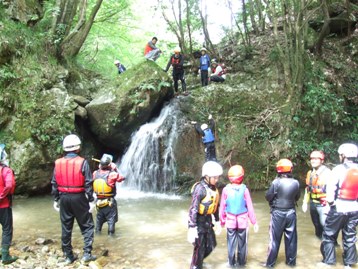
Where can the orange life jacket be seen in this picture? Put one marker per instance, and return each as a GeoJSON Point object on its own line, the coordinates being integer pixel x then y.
{"type": "Point", "coordinates": [349, 187]}
{"type": "Point", "coordinates": [315, 184]}
{"type": "Point", "coordinates": [100, 184]}
{"type": "Point", "coordinates": [69, 175]}
{"type": "Point", "coordinates": [175, 61]}
{"type": "Point", "coordinates": [147, 49]}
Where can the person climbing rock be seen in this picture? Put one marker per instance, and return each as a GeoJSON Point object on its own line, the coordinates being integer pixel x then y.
{"type": "Point", "coordinates": [177, 61]}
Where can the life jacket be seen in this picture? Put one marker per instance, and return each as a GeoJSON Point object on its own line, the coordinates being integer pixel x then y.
{"type": "Point", "coordinates": [208, 136]}
{"type": "Point", "coordinates": [69, 175]}
{"type": "Point", "coordinates": [209, 203]}
{"type": "Point", "coordinates": [223, 70]}
{"type": "Point", "coordinates": [316, 184]}
{"type": "Point", "coordinates": [176, 61]}
{"type": "Point", "coordinates": [100, 184]}
{"type": "Point", "coordinates": [235, 202]}
{"type": "Point", "coordinates": [147, 49]}
{"type": "Point", "coordinates": [2, 182]}
{"type": "Point", "coordinates": [349, 186]}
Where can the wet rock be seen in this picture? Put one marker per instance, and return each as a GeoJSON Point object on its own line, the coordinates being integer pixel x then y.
{"type": "Point", "coordinates": [43, 241]}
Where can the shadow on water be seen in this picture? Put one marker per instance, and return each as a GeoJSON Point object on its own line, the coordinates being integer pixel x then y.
{"type": "Point", "coordinates": [151, 233]}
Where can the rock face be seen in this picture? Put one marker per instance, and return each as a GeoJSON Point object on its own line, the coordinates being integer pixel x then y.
{"type": "Point", "coordinates": [115, 113]}
{"type": "Point", "coordinates": [25, 11]}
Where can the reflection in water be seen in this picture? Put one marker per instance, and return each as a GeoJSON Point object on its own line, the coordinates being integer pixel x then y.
{"type": "Point", "coordinates": [151, 233]}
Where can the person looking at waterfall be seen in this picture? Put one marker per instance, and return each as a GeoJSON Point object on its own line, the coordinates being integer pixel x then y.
{"type": "Point", "coordinates": [104, 185]}
{"type": "Point", "coordinates": [73, 197]}
{"type": "Point", "coordinates": [282, 196]}
{"type": "Point", "coordinates": [177, 62]}
{"type": "Point", "coordinates": [207, 133]}
{"type": "Point", "coordinates": [235, 210]}
{"type": "Point", "coordinates": [204, 204]}
{"type": "Point", "coordinates": [7, 188]}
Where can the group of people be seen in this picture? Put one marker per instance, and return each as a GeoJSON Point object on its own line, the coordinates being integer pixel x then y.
{"type": "Point", "coordinates": [209, 70]}
{"type": "Point", "coordinates": [332, 196]}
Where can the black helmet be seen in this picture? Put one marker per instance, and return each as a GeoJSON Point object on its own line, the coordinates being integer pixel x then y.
{"type": "Point", "coordinates": [106, 160]}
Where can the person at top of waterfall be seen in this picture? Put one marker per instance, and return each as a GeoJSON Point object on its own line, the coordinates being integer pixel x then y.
{"type": "Point", "coordinates": [315, 191]}
{"type": "Point", "coordinates": [218, 73]}
{"type": "Point", "coordinates": [7, 188]}
{"type": "Point", "coordinates": [120, 67]}
{"type": "Point", "coordinates": [177, 62]}
{"type": "Point", "coordinates": [207, 133]}
{"type": "Point", "coordinates": [104, 185]}
{"type": "Point", "coordinates": [151, 52]}
{"type": "Point", "coordinates": [204, 204]}
{"type": "Point", "coordinates": [342, 197]}
{"type": "Point", "coordinates": [72, 191]}
{"type": "Point", "coordinates": [235, 210]}
{"type": "Point", "coordinates": [282, 196]}
{"type": "Point", "coordinates": [204, 67]}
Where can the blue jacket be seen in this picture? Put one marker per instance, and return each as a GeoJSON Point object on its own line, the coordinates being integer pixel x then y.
{"type": "Point", "coordinates": [204, 62]}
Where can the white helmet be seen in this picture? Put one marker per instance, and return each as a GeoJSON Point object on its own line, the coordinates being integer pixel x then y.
{"type": "Point", "coordinates": [3, 154]}
{"type": "Point", "coordinates": [116, 62]}
{"type": "Point", "coordinates": [211, 169]}
{"type": "Point", "coordinates": [204, 126]}
{"type": "Point", "coordinates": [203, 49]}
{"type": "Point", "coordinates": [348, 150]}
{"type": "Point", "coordinates": [71, 143]}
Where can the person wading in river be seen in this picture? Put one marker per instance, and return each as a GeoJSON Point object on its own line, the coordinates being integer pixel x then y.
{"type": "Point", "coordinates": [204, 204]}
{"type": "Point", "coordinates": [104, 185]}
{"type": "Point", "coordinates": [73, 194]}
{"type": "Point", "coordinates": [7, 188]}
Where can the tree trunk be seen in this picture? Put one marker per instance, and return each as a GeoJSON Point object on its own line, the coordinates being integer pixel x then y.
{"type": "Point", "coordinates": [325, 29]}
{"type": "Point", "coordinates": [204, 22]}
{"type": "Point", "coordinates": [252, 17]}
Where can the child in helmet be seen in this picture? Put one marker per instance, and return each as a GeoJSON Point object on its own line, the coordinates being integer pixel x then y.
{"type": "Point", "coordinates": [208, 137]}
{"type": "Point", "coordinates": [177, 62]}
{"type": "Point", "coordinates": [203, 206]}
{"type": "Point", "coordinates": [235, 210]}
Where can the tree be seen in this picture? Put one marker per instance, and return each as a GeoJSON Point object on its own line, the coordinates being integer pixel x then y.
{"type": "Point", "coordinates": [71, 26]}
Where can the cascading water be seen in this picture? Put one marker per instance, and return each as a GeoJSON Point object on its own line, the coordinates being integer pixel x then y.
{"type": "Point", "coordinates": [149, 162]}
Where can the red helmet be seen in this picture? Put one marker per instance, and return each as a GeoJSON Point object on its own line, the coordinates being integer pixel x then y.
{"type": "Point", "coordinates": [317, 154]}
{"type": "Point", "coordinates": [284, 166]}
{"type": "Point", "coordinates": [236, 174]}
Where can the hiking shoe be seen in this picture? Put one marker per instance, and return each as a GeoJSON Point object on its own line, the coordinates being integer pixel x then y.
{"type": "Point", "coordinates": [70, 260]}
{"type": "Point", "coordinates": [88, 257]}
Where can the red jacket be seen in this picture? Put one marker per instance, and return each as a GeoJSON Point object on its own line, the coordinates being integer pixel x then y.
{"type": "Point", "coordinates": [7, 186]}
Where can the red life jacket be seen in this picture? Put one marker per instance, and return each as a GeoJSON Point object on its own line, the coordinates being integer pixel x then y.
{"type": "Point", "coordinates": [147, 49]}
{"type": "Point", "coordinates": [349, 188]}
{"type": "Point", "coordinates": [175, 61]}
{"type": "Point", "coordinates": [69, 175]}
{"type": "Point", "coordinates": [6, 202]}
{"type": "Point", "coordinates": [223, 70]}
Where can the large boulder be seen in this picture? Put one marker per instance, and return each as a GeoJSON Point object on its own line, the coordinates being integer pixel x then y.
{"type": "Point", "coordinates": [26, 11]}
{"type": "Point", "coordinates": [115, 113]}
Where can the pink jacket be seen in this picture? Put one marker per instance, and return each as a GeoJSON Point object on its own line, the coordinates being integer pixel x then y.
{"type": "Point", "coordinates": [236, 221]}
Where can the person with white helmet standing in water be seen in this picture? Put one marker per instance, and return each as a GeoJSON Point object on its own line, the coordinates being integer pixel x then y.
{"type": "Point", "coordinates": [204, 205]}
{"type": "Point", "coordinates": [177, 62]}
{"type": "Point", "coordinates": [342, 197]}
{"type": "Point", "coordinates": [72, 191]}
{"type": "Point", "coordinates": [207, 133]}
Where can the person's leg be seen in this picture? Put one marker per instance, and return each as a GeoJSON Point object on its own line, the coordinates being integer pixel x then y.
{"type": "Point", "coordinates": [232, 242]}
{"type": "Point", "coordinates": [291, 238]}
{"type": "Point", "coordinates": [242, 247]}
{"type": "Point", "coordinates": [67, 220]}
{"type": "Point", "coordinates": [277, 224]}
{"type": "Point", "coordinates": [315, 217]}
{"type": "Point", "coordinates": [349, 235]}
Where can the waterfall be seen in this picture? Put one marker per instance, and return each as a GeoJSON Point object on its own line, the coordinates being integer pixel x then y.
{"type": "Point", "coordinates": [149, 162]}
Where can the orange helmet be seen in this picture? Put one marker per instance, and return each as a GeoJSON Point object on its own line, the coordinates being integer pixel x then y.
{"type": "Point", "coordinates": [317, 154]}
{"type": "Point", "coordinates": [284, 166]}
{"type": "Point", "coordinates": [236, 174]}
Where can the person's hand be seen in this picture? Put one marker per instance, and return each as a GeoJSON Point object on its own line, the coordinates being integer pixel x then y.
{"type": "Point", "coordinates": [92, 206]}
{"type": "Point", "coordinates": [199, 71]}
{"type": "Point", "coordinates": [193, 122]}
{"type": "Point", "coordinates": [256, 228]}
{"type": "Point", "coordinates": [56, 206]}
{"type": "Point", "coordinates": [217, 228]}
{"type": "Point", "coordinates": [304, 207]}
{"type": "Point", "coordinates": [326, 209]}
{"type": "Point", "coordinates": [210, 117]}
{"type": "Point", "coordinates": [192, 234]}
{"type": "Point", "coordinates": [113, 166]}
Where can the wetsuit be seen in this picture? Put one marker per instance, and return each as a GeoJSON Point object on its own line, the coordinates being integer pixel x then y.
{"type": "Point", "coordinates": [343, 215]}
{"type": "Point", "coordinates": [177, 62]}
{"type": "Point", "coordinates": [74, 198]}
{"type": "Point", "coordinates": [206, 241]}
{"type": "Point", "coordinates": [208, 138]}
{"type": "Point", "coordinates": [282, 196]}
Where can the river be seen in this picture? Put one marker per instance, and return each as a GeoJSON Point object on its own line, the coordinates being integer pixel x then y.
{"type": "Point", "coordinates": [151, 233]}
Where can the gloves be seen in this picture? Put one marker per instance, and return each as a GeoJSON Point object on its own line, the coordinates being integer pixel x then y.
{"type": "Point", "coordinates": [92, 206]}
{"type": "Point", "coordinates": [217, 228]}
{"type": "Point", "coordinates": [256, 228]}
{"type": "Point", "coordinates": [210, 117]}
{"type": "Point", "coordinates": [304, 207]}
{"type": "Point", "coordinates": [193, 122]}
{"type": "Point", "coordinates": [56, 206]}
{"type": "Point", "coordinates": [192, 234]}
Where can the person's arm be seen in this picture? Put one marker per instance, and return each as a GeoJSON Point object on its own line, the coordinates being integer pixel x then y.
{"type": "Point", "coordinates": [54, 192]}
{"type": "Point", "coordinates": [168, 64]}
{"type": "Point", "coordinates": [124, 68]}
{"type": "Point", "coordinates": [197, 196]}
{"type": "Point", "coordinates": [198, 129]}
{"type": "Point", "coordinates": [222, 208]}
{"type": "Point", "coordinates": [298, 194]}
{"type": "Point", "coordinates": [150, 44]}
{"type": "Point", "coordinates": [271, 192]}
{"type": "Point", "coordinates": [7, 175]}
{"type": "Point", "coordinates": [86, 171]}
{"type": "Point", "coordinates": [250, 207]}
{"type": "Point", "coordinates": [181, 62]}
{"type": "Point", "coordinates": [212, 125]}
